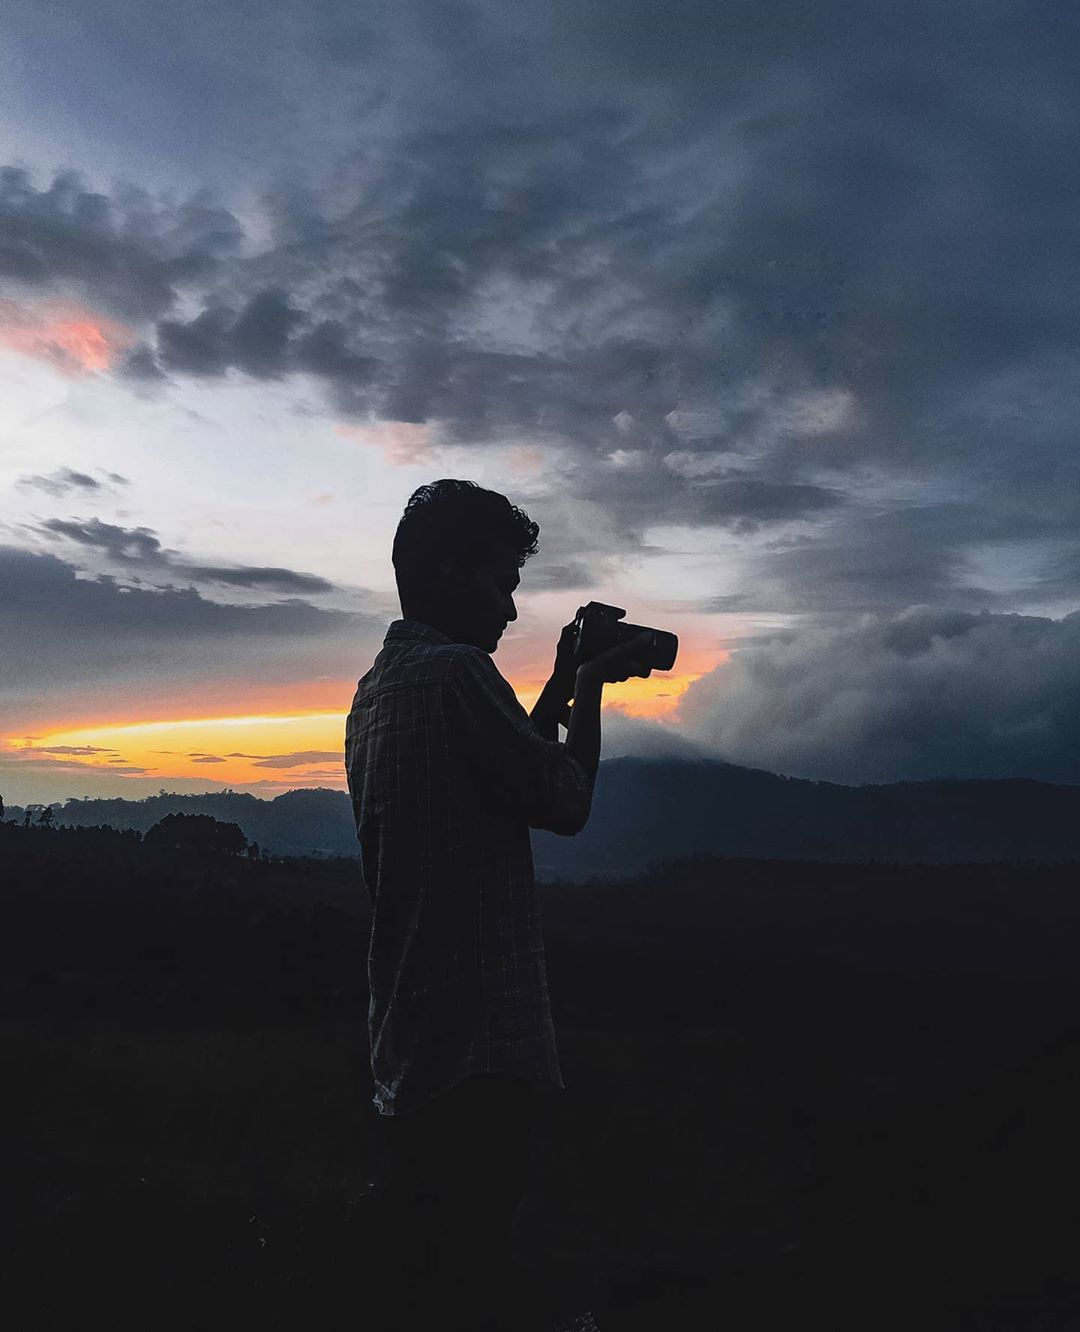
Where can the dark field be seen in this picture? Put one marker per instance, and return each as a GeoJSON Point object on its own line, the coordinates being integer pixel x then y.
{"type": "Point", "coordinates": [797, 1094]}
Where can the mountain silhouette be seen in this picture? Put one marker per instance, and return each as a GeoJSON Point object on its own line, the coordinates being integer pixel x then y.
{"type": "Point", "coordinates": [646, 811]}
{"type": "Point", "coordinates": [649, 810]}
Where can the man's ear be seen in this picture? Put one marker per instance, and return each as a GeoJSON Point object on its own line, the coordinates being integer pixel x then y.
{"type": "Point", "coordinates": [452, 574]}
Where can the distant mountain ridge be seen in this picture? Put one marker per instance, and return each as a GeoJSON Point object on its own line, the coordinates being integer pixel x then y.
{"type": "Point", "coordinates": [649, 810]}
{"type": "Point", "coordinates": [308, 822]}
{"type": "Point", "coordinates": [646, 811]}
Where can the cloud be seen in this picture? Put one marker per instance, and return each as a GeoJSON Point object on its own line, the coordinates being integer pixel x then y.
{"type": "Point", "coordinates": [918, 694]}
{"type": "Point", "coordinates": [139, 547]}
{"type": "Point", "coordinates": [267, 338]}
{"type": "Point", "coordinates": [24, 782]}
{"type": "Point", "coordinates": [128, 254]}
{"type": "Point", "coordinates": [205, 758]}
{"type": "Point", "coordinates": [294, 760]}
{"type": "Point", "coordinates": [65, 749]}
{"type": "Point", "coordinates": [14, 762]}
{"type": "Point", "coordinates": [61, 482]}
{"type": "Point", "coordinates": [73, 340]}
{"type": "Point", "coordinates": [69, 638]}
{"type": "Point", "coordinates": [742, 274]}
{"type": "Point", "coordinates": [403, 444]}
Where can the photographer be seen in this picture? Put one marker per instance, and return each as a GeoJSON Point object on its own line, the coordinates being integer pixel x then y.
{"type": "Point", "coordinates": [447, 774]}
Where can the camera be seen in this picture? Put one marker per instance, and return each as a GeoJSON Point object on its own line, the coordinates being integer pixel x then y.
{"type": "Point", "coordinates": [599, 627]}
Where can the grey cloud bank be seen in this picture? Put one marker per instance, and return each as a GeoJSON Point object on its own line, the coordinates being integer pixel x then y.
{"type": "Point", "coordinates": [920, 694]}
{"type": "Point", "coordinates": [712, 218]}
{"type": "Point", "coordinates": [801, 275]}
{"type": "Point", "coordinates": [89, 639]}
{"type": "Point", "coordinates": [138, 549]}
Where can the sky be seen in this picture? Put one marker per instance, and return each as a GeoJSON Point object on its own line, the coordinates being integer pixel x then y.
{"type": "Point", "coordinates": [766, 313]}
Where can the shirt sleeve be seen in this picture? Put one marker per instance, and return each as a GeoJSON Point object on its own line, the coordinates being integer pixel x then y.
{"type": "Point", "coordinates": [539, 779]}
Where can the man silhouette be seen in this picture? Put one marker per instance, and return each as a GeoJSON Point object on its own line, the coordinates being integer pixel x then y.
{"type": "Point", "coordinates": [447, 774]}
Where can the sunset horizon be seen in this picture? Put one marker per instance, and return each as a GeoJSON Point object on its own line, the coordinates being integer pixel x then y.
{"type": "Point", "coordinates": [769, 332]}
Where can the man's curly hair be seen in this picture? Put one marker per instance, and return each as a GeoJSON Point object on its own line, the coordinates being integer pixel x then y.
{"type": "Point", "coordinates": [458, 519]}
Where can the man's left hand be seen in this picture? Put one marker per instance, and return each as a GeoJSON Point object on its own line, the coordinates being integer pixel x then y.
{"type": "Point", "coordinates": [564, 674]}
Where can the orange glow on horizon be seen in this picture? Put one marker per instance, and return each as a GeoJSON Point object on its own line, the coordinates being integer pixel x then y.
{"type": "Point", "coordinates": [178, 702]}
{"type": "Point", "coordinates": [275, 753]}
{"type": "Point", "coordinates": [73, 340]}
{"type": "Point", "coordinates": [272, 752]}
{"type": "Point", "coordinates": [652, 699]}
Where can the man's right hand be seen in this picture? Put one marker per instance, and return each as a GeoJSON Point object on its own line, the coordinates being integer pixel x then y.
{"type": "Point", "coordinates": [618, 663]}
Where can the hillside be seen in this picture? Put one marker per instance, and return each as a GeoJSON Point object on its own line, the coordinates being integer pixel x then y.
{"type": "Point", "coordinates": [647, 810]}
{"type": "Point", "coordinates": [795, 1093]}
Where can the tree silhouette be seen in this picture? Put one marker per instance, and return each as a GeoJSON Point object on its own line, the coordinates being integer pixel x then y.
{"type": "Point", "coordinates": [196, 834]}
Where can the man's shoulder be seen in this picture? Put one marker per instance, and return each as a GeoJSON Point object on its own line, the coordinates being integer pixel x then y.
{"type": "Point", "coordinates": [424, 666]}
{"type": "Point", "coordinates": [470, 668]}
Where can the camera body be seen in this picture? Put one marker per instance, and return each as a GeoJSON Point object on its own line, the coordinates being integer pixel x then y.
{"type": "Point", "coordinates": [599, 627]}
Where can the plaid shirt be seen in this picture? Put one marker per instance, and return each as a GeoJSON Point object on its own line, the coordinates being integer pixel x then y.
{"type": "Point", "coordinates": [447, 774]}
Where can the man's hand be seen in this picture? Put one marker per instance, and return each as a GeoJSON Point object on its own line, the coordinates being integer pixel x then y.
{"type": "Point", "coordinates": [564, 673]}
{"type": "Point", "coordinates": [553, 705]}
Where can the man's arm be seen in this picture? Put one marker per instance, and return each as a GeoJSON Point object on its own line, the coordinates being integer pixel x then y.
{"type": "Point", "coordinates": [583, 735]}
{"type": "Point", "coordinates": [550, 709]}
{"type": "Point", "coordinates": [538, 778]}
{"type": "Point", "coordinates": [553, 705]}
{"type": "Point", "coordinates": [617, 663]}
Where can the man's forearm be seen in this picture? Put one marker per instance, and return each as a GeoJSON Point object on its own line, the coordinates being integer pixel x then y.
{"type": "Point", "coordinates": [549, 709]}
{"type": "Point", "coordinates": [583, 735]}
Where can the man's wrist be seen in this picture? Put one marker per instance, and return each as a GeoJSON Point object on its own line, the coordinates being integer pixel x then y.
{"type": "Point", "coordinates": [558, 691]}
{"type": "Point", "coordinates": [552, 706]}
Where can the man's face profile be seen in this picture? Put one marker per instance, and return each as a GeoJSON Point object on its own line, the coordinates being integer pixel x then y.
{"type": "Point", "coordinates": [475, 605]}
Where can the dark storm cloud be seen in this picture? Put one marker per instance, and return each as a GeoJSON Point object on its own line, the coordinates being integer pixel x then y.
{"type": "Point", "coordinates": [197, 347]}
{"type": "Point", "coordinates": [919, 694]}
{"type": "Point", "coordinates": [68, 637]}
{"type": "Point", "coordinates": [138, 548]}
{"type": "Point", "coordinates": [913, 554]}
{"type": "Point", "coordinates": [126, 254]}
{"type": "Point", "coordinates": [261, 335]}
{"type": "Point", "coordinates": [259, 340]}
{"type": "Point", "coordinates": [588, 223]}
{"type": "Point", "coordinates": [43, 587]}
{"type": "Point", "coordinates": [752, 502]}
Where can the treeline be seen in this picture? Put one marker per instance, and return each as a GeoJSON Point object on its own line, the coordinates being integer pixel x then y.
{"type": "Point", "coordinates": [83, 906]}
{"type": "Point", "coordinates": [647, 810]}
{"type": "Point", "coordinates": [309, 822]}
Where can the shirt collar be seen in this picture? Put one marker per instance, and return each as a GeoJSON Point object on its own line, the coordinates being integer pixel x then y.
{"type": "Point", "coordinates": [416, 630]}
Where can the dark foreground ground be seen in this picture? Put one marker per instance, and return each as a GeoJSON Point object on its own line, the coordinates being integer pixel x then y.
{"type": "Point", "coordinates": [798, 1095]}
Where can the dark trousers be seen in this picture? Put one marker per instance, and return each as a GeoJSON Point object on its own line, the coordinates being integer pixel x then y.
{"type": "Point", "coordinates": [456, 1172]}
